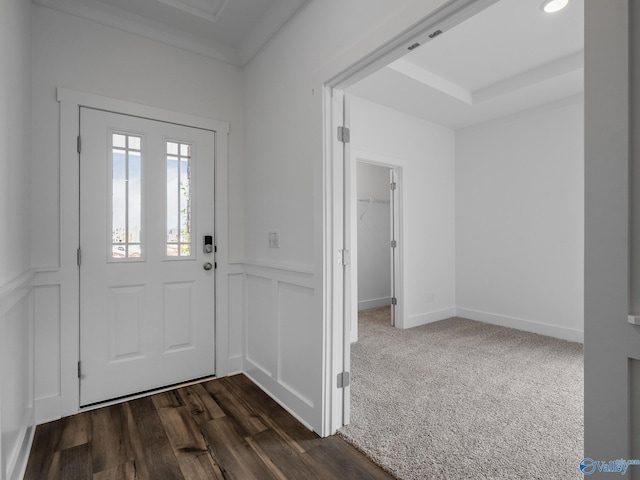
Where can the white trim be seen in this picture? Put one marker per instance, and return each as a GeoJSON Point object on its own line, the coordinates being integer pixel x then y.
{"type": "Point", "coordinates": [67, 275]}
{"type": "Point", "coordinates": [15, 290]}
{"type": "Point", "coordinates": [373, 303]}
{"type": "Point", "coordinates": [262, 32]}
{"type": "Point", "coordinates": [125, 107]}
{"type": "Point", "coordinates": [541, 328]}
{"type": "Point", "coordinates": [276, 266]}
{"type": "Point", "coordinates": [445, 17]}
{"type": "Point", "coordinates": [398, 166]}
{"type": "Point", "coordinates": [429, 317]}
{"type": "Point", "coordinates": [17, 466]}
{"type": "Point", "coordinates": [235, 365]}
{"type": "Point", "coordinates": [130, 23]}
{"type": "Point", "coordinates": [211, 13]}
{"type": "Point", "coordinates": [47, 409]}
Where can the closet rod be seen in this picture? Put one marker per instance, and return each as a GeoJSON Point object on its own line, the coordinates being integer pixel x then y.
{"type": "Point", "coordinates": [373, 200]}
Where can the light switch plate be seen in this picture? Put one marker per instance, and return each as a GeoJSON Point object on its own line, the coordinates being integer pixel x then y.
{"type": "Point", "coordinates": [274, 239]}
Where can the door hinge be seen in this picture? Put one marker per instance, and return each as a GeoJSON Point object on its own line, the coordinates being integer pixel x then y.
{"type": "Point", "coordinates": [394, 244]}
{"type": "Point", "coordinates": [344, 134]}
{"type": "Point", "coordinates": [394, 301]}
{"type": "Point", "coordinates": [344, 257]}
{"type": "Point", "coordinates": [343, 379]}
{"type": "Point", "coordinates": [79, 143]}
{"type": "Point", "coordinates": [79, 370]}
{"type": "Point", "coordinates": [79, 256]}
{"type": "Point", "coordinates": [394, 185]}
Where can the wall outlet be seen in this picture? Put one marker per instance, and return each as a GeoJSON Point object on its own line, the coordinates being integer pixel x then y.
{"type": "Point", "coordinates": [274, 240]}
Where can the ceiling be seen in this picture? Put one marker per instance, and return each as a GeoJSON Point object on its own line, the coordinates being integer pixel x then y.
{"type": "Point", "coordinates": [232, 31]}
{"type": "Point", "coordinates": [510, 57]}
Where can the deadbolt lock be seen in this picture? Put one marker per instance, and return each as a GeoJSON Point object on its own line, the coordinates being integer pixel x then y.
{"type": "Point", "coordinates": [208, 244]}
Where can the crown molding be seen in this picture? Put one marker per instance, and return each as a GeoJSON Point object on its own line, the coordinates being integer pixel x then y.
{"type": "Point", "coordinates": [98, 12]}
{"type": "Point", "coordinates": [266, 27]}
{"type": "Point", "coordinates": [209, 10]}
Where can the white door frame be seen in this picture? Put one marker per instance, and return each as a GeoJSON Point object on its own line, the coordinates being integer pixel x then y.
{"type": "Point", "coordinates": [360, 156]}
{"type": "Point", "coordinates": [336, 285]}
{"type": "Point", "coordinates": [612, 344]}
{"type": "Point", "coordinates": [70, 103]}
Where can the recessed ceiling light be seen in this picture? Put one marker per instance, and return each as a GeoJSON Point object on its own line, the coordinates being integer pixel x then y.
{"type": "Point", "coordinates": [551, 6]}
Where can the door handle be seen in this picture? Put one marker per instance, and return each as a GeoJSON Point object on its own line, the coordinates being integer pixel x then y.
{"type": "Point", "coordinates": [208, 266]}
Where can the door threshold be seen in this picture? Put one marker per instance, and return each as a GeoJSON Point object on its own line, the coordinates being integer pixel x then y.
{"type": "Point", "coordinates": [146, 393]}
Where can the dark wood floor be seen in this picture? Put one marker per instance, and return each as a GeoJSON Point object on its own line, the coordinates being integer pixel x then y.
{"type": "Point", "coordinates": [222, 429]}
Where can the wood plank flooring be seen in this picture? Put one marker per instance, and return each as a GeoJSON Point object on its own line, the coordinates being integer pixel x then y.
{"type": "Point", "coordinates": [223, 429]}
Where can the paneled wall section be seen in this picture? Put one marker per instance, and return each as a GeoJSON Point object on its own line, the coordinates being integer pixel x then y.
{"type": "Point", "coordinates": [16, 375]}
{"type": "Point", "coordinates": [280, 337]}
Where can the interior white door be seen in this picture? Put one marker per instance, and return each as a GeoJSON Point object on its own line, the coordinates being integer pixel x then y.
{"type": "Point", "coordinates": [146, 275]}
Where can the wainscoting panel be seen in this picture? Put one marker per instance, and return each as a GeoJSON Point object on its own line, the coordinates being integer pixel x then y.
{"type": "Point", "coordinates": [47, 356]}
{"type": "Point", "coordinates": [236, 316]}
{"type": "Point", "coordinates": [294, 342]}
{"type": "Point", "coordinates": [261, 327]}
{"type": "Point", "coordinates": [16, 376]}
{"type": "Point", "coordinates": [282, 348]}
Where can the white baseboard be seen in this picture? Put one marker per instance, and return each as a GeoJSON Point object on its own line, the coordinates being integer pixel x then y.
{"type": "Point", "coordinates": [19, 468]}
{"type": "Point", "coordinates": [540, 328]}
{"type": "Point", "coordinates": [234, 365]}
{"type": "Point", "coordinates": [47, 409]}
{"type": "Point", "coordinates": [374, 303]}
{"type": "Point", "coordinates": [429, 317]}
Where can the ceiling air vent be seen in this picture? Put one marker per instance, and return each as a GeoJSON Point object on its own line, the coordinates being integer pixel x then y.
{"type": "Point", "coordinates": [435, 34]}
{"type": "Point", "coordinates": [414, 46]}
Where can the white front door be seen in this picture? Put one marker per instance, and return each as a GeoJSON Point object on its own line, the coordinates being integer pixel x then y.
{"type": "Point", "coordinates": [146, 273]}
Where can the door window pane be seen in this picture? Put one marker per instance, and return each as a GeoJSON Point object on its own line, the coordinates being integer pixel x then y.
{"type": "Point", "coordinates": [178, 199]}
{"type": "Point", "coordinates": [126, 196]}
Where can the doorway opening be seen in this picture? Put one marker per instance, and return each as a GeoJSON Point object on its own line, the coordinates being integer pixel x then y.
{"type": "Point", "coordinates": [376, 224]}
{"type": "Point", "coordinates": [498, 237]}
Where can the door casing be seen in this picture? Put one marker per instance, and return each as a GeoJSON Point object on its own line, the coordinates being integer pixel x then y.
{"type": "Point", "coordinates": [395, 166]}
{"type": "Point", "coordinates": [70, 102]}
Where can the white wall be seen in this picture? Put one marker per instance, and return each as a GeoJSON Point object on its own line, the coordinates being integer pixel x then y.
{"type": "Point", "coordinates": [518, 193]}
{"type": "Point", "coordinates": [14, 139]}
{"type": "Point", "coordinates": [77, 54]}
{"type": "Point", "coordinates": [426, 154]}
{"type": "Point", "coordinates": [520, 220]}
{"type": "Point", "coordinates": [374, 228]}
{"type": "Point", "coordinates": [16, 326]}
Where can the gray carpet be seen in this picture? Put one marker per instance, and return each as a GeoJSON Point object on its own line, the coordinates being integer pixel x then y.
{"type": "Point", "coordinates": [459, 399]}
